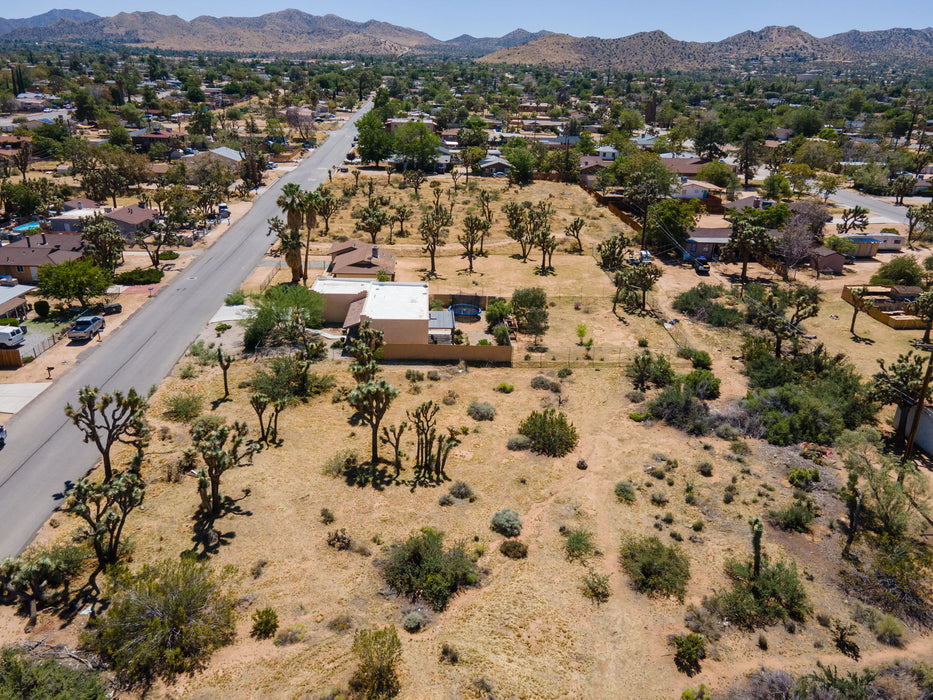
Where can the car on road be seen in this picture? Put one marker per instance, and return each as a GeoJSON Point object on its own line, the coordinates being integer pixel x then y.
{"type": "Point", "coordinates": [86, 328]}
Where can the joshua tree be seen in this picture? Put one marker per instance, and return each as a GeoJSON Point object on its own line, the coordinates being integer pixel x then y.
{"type": "Point", "coordinates": [757, 531]}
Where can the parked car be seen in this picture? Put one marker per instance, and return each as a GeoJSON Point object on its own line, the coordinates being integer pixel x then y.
{"type": "Point", "coordinates": [11, 337]}
{"type": "Point", "coordinates": [86, 328]}
{"type": "Point", "coordinates": [700, 265]}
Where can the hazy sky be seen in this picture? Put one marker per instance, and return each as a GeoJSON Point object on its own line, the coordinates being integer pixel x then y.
{"type": "Point", "coordinates": [687, 20]}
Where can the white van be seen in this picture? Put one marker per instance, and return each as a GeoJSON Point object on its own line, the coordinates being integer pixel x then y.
{"type": "Point", "coordinates": [11, 337]}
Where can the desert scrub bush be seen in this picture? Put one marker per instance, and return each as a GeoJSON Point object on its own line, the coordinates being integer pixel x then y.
{"type": "Point", "coordinates": [507, 523]}
{"type": "Point", "coordinates": [796, 516]}
{"type": "Point", "coordinates": [889, 630]}
{"type": "Point", "coordinates": [340, 540]}
{"type": "Point", "coordinates": [164, 621]}
{"type": "Point", "coordinates": [414, 375]}
{"type": "Point", "coordinates": [655, 569]}
{"type": "Point", "coordinates": [481, 410]}
{"type": "Point", "coordinates": [775, 595]}
{"type": "Point", "coordinates": [680, 408]}
{"type": "Point", "coordinates": [701, 360]}
{"type": "Point", "coordinates": [635, 396]}
{"type": "Point", "coordinates": [265, 623]}
{"type": "Point", "coordinates": [327, 516]}
{"type": "Point", "coordinates": [341, 623]}
{"type": "Point", "coordinates": [449, 654]}
{"type": "Point", "coordinates": [413, 622]}
{"type": "Point", "coordinates": [26, 678]}
{"type": "Point", "coordinates": [596, 587]}
{"type": "Point", "coordinates": [625, 492]}
{"type": "Point", "coordinates": [340, 462]}
{"type": "Point", "coordinates": [434, 375]}
{"type": "Point", "coordinates": [564, 372]}
{"type": "Point", "coordinates": [183, 407]}
{"type": "Point", "coordinates": [292, 635]}
{"type": "Point", "coordinates": [187, 371]}
{"type": "Point", "coordinates": [579, 544]}
{"type": "Point", "coordinates": [505, 388]}
{"type": "Point", "coordinates": [802, 478]}
{"type": "Point", "coordinates": [705, 468]}
{"type": "Point", "coordinates": [550, 433]}
{"type": "Point", "coordinates": [542, 382]}
{"type": "Point", "coordinates": [646, 368]}
{"type": "Point", "coordinates": [726, 431]}
{"type": "Point", "coordinates": [728, 493]}
{"type": "Point", "coordinates": [659, 498]}
{"type": "Point", "coordinates": [513, 549]}
{"type": "Point", "coordinates": [740, 447]}
{"type": "Point", "coordinates": [690, 651]}
{"type": "Point", "coordinates": [517, 443]}
{"type": "Point", "coordinates": [446, 500]}
{"type": "Point", "coordinates": [703, 384]}
{"type": "Point", "coordinates": [462, 490]}
{"type": "Point", "coordinates": [422, 567]}
{"type": "Point", "coordinates": [237, 298]}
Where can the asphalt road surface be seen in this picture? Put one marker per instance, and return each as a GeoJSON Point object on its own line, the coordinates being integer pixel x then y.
{"type": "Point", "coordinates": [44, 451]}
{"type": "Point", "coordinates": [879, 208]}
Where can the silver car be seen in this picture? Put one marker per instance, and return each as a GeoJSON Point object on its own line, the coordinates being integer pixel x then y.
{"type": "Point", "coordinates": [86, 327]}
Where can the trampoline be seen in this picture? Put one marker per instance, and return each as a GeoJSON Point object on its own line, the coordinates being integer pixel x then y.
{"type": "Point", "coordinates": [466, 312]}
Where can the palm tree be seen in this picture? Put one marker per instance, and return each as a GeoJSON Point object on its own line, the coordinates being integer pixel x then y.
{"type": "Point", "coordinates": [312, 202]}
{"type": "Point", "coordinates": [289, 245]}
{"type": "Point", "coordinates": [292, 204]}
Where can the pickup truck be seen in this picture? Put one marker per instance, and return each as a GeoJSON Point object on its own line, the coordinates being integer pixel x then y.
{"type": "Point", "coordinates": [86, 328]}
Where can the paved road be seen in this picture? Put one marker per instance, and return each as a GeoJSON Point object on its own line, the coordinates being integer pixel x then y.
{"type": "Point", "coordinates": [45, 451]}
{"type": "Point", "coordinates": [882, 211]}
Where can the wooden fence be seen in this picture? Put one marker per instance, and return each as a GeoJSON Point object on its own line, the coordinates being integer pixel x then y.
{"type": "Point", "coordinates": [900, 320]}
{"type": "Point", "coordinates": [492, 354]}
{"type": "Point", "coordinates": [10, 358]}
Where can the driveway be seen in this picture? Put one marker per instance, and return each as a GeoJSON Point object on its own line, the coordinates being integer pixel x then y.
{"type": "Point", "coordinates": [45, 452]}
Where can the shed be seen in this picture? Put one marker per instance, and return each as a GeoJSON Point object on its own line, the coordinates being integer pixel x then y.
{"type": "Point", "coordinates": [826, 261]}
{"type": "Point", "coordinates": [865, 246]}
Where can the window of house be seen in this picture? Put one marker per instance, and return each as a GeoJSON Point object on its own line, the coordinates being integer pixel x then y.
{"type": "Point", "coordinates": [20, 268]}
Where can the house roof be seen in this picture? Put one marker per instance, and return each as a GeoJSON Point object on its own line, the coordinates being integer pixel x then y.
{"type": "Point", "coordinates": [42, 248]}
{"type": "Point", "coordinates": [361, 257]}
{"type": "Point", "coordinates": [354, 312]}
{"type": "Point", "coordinates": [134, 215]}
{"type": "Point", "coordinates": [397, 301]}
{"type": "Point", "coordinates": [79, 203]}
{"type": "Point", "coordinates": [587, 162]}
{"type": "Point", "coordinates": [710, 235]}
{"type": "Point", "coordinates": [490, 161]}
{"type": "Point", "coordinates": [743, 203]}
{"type": "Point", "coordinates": [441, 319]}
{"type": "Point", "coordinates": [823, 252]}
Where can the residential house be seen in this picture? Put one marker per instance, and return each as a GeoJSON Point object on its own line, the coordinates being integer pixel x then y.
{"type": "Point", "coordinates": [710, 195]}
{"type": "Point", "coordinates": [143, 139]}
{"type": "Point", "coordinates": [750, 202]}
{"type": "Point", "coordinates": [607, 153]}
{"type": "Point", "coordinates": [686, 166]}
{"type": "Point", "coordinates": [132, 220]}
{"type": "Point", "coordinates": [706, 242]}
{"type": "Point", "coordinates": [22, 259]}
{"type": "Point", "coordinates": [492, 165]}
{"type": "Point", "coordinates": [70, 221]}
{"type": "Point", "coordinates": [590, 165]}
{"type": "Point", "coordinates": [399, 310]}
{"type": "Point", "coordinates": [79, 203]}
{"type": "Point", "coordinates": [356, 259]}
{"type": "Point", "coordinates": [826, 261]}
{"type": "Point", "coordinates": [13, 302]}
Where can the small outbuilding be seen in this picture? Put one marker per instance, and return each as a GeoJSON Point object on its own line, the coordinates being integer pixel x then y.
{"type": "Point", "coordinates": [826, 261]}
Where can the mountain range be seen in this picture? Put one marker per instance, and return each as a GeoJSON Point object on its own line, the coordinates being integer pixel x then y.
{"type": "Point", "coordinates": [296, 32]}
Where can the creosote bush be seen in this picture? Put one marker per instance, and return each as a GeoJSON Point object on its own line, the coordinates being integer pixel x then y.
{"type": "Point", "coordinates": [542, 382]}
{"type": "Point", "coordinates": [774, 596]}
{"type": "Point", "coordinates": [550, 433]}
{"type": "Point", "coordinates": [462, 490]}
{"type": "Point", "coordinates": [413, 622]}
{"type": "Point", "coordinates": [625, 492]}
{"type": "Point", "coordinates": [690, 650]}
{"type": "Point", "coordinates": [513, 549]}
{"type": "Point", "coordinates": [26, 678]}
{"type": "Point", "coordinates": [481, 410]}
{"type": "Point", "coordinates": [579, 544]}
{"type": "Point", "coordinates": [596, 587]}
{"type": "Point", "coordinates": [655, 569]}
{"type": "Point", "coordinates": [517, 443]}
{"type": "Point", "coordinates": [421, 567]}
{"type": "Point", "coordinates": [507, 523]}
{"type": "Point", "coordinates": [183, 407]}
{"type": "Point", "coordinates": [265, 623]}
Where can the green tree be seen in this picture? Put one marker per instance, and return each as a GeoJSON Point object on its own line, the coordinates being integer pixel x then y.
{"type": "Point", "coordinates": [749, 239]}
{"type": "Point", "coordinates": [281, 315]}
{"type": "Point", "coordinates": [573, 229]}
{"type": "Point", "coordinates": [108, 419]}
{"type": "Point", "coordinates": [30, 577]}
{"type": "Point", "coordinates": [73, 280]}
{"type": "Point", "coordinates": [163, 622]}
{"type": "Point", "coordinates": [372, 219]}
{"type": "Point", "coordinates": [289, 245]}
{"type": "Point", "coordinates": [904, 269]}
{"type": "Point", "coordinates": [327, 206]}
{"type": "Point", "coordinates": [104, 507]}
{"type": "Point", "coordinates": [717, 173]}
{"type": "Point", "coordinates": [371, 400]}
{"type": "Point", "coordinates": [854, 219]}
{"type": "Point", "coordinates": [903, 186]}
{"type": "Point", "coordinates": [375, 142]}
{"type": "Point", "coordinates": [644, 181]}
{"type": "Point", "coordinates": [899, 384]}
{"type": "Point", "coordinates": [474, 230]}
{"type": "Point", "coordinates": [633, 282]}
{"type": "Point", "coordinates": [748, 138]}
{"type": "Point", "coordinates": [709, 139]}
{"type": "Point", "coordinates": [219, 456]}
{"type": "Point", "coordinates": [798, 175]}
{"type": "Point", "coordinates": [522, 162]}
{"type": "Point", "coordinates": [433, 230]}
{"type": "Point", "coordinates": [103, 242]}
{"type": "Point", "coordinates": [827, 184]}
{"type": "Point", "coordinates": [416, 146]}
{"type": "Point", "coordinates": [775, 186]}
{"type": "Point", "coordinates": [673, 220]}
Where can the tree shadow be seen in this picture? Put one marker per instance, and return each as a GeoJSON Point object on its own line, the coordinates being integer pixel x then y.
{"type": "Point", "coordinates": [61, 495]}
{"type": "Point", "coordinates": [369, 474]}
{"type": "Point", "coordinates": [207, 539]}
{"type": "Point", "coordinates": [425, 478]}
{"type": "Point", "coordinates": [856, 338]}
{"type": "Point", "coordinates": [217, 403]}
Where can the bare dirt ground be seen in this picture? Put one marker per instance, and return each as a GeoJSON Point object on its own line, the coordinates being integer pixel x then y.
{"type": "Point", "coordinates": [526, 627]}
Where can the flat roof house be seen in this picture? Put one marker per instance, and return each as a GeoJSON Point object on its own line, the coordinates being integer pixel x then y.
{"type": "Point", "coordinates": [399, 310]}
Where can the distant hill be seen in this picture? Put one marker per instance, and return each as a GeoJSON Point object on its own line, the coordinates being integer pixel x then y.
{"type": "Point", "coordinates": [43, 20]}
{"type": "Point", "coordinates": [288, 31]}
{"type": "Point", "coordinates": [474, 46]}
{"type": "Point", "coordinates": [651, 51]}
